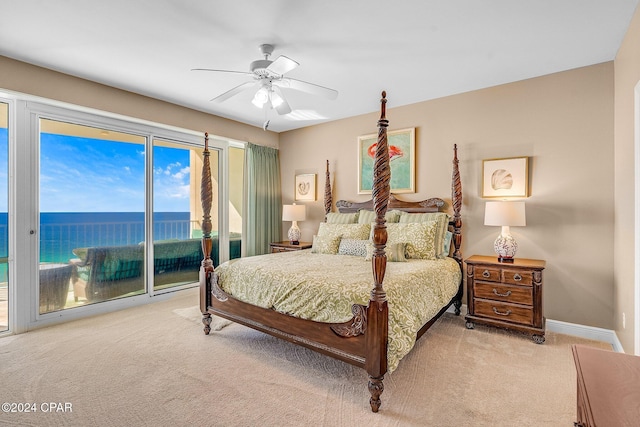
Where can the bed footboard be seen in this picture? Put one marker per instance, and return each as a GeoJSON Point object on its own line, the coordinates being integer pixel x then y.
{"type": "Point", "coordinates": [343, 341]}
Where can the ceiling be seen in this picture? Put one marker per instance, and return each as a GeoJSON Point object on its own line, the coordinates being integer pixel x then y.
{"type": "Point", "coordinates": [415, 50]}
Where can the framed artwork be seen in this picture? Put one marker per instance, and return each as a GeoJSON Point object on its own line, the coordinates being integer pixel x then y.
{"type": "Point", "coordinates": [402, 144]}
{"type": "Point", "coordinates": [306, 187]}
{"type": "Point", "coordinates": [505, 177]}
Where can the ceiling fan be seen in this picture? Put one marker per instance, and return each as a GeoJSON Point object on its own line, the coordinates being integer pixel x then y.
{"type": "Point", "coordinates": [268, 78]}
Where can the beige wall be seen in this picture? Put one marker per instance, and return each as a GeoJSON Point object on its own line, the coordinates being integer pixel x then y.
{"type": "Point", "coordinates": [627, 76]}
{"type": "Point", "coordinates": [21, 77]}
{"type": "Point", "coordinates": [563, 122]}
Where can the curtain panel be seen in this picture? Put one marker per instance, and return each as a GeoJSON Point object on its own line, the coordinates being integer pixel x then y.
{"type": "Point", "coordinates": [264, 199]}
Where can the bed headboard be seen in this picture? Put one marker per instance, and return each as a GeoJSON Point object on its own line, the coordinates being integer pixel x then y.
{"type": "Point", "coordinates": [429, 205]}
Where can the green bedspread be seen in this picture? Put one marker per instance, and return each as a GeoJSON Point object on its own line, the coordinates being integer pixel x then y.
{"type": "Point", "coordinates": [323, 288]}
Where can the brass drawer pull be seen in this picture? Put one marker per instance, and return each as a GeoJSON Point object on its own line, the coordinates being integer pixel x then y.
{"type": "Point", "coordinates": [517, 277]}
{"type": "Point", "coordinates": [495, 310]}
{"type": "Point", "coordinates": [495, 291]}
{"type": "Point", "coordinates": [486, 274]}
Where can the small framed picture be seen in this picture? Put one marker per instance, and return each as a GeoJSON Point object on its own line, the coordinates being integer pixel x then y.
{"type": "Point", "coordinates": [306, 187]}
{"type": "Point", "coordinates": [505, 177]}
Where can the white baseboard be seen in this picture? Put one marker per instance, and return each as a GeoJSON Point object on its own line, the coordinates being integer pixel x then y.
{"type": "Point", "coordinates": [576, 330]}
{"type": "Point", "coordinates": [588, 332]}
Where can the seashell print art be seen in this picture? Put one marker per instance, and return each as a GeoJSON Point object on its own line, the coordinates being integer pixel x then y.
{"type": "Point", "coordinates": [303, 188]}
{"type": "Point", "coordinates": [501, 179]}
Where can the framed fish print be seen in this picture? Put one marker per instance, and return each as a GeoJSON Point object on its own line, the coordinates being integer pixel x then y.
{"type": "Point", "coordinates": [306, 187]}
{"type": "Point", "coordinates": [402, 144]}
{"type": "Point", "coordinates": [505, 177]}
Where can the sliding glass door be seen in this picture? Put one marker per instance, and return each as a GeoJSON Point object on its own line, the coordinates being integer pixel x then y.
{"type": "Point", "coordinates": [92, 221]}
{"type": "Point", "coordinates": [177, 212]}
{"type": "Point", "coordinates": [4, 217]}
{"type": "Point", "coordinates": [93, 225]}
{"type": "Point", "coordinates": [109, 211]}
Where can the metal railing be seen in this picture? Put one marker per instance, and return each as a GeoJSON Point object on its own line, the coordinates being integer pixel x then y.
{"type": "Point", "coordinates": [57, 241]}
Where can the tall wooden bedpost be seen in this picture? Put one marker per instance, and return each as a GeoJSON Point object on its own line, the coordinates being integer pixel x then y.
{"type": "Point", "coordinates": [456, 198]}
{"type": "Point", "coordinates": [456, 201]}
{"type": "Point", "coordinates": [328, 199]}
{"type": "Point", "coordinates": [206, 268]}
{"type": "Point", "coordinates": [377, 311]}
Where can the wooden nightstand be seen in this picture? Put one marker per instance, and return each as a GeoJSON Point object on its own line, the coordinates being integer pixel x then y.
{"type": "Point", "coordinates": [285, 246]}
{"type": "Point", "coordinates": [506, 295]}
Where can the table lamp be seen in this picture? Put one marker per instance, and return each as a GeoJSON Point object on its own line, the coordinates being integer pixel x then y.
{"type": "Point", "coordinates": [505, 214]}
{"type": "Point", "coordinates": [294, 213]}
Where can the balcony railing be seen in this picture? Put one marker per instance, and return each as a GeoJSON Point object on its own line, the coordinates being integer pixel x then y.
{"type": "Point", "coordinates": [57, 241]}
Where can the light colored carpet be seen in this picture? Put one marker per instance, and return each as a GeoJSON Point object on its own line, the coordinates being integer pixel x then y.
{"type": "Point", "coordinates": [153, 366]}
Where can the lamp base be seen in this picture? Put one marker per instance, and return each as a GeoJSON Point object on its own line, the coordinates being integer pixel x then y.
{"type": "Point", "coordinates": [294, 234]}
{"type": "Point", "coordinates": [505, 246]}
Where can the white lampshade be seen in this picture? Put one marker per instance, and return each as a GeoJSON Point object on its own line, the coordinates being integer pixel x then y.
{"type": "Point", "coordinates": [276, 100]}
{"type": "Point", "coordinates": [261, 97]}
{"type": "Point", "coordinates": [294, 212]}
{"type": "Point", "coordinates": [505, 213]}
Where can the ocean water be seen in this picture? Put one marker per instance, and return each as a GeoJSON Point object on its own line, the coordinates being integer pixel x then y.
{"type": "Point", "coordinates": [61, 232]}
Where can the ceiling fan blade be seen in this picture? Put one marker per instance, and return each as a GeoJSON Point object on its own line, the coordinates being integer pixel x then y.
{"type": "Point", "coordinates": [283, 107]}
{"type": "Point", "coordinates": [222, 71]}
{"type": "Point", "coordinates": [236, 90]}
{"type": "Point", "coordinates": [282, 65]}
{"type": "Point", "coordinates": [308, 87]}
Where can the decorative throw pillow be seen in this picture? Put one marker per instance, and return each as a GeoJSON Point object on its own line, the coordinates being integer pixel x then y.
{"type": "Point", "coordinates": [394, 252]}
{"type": "Point", "coordinates": [325, 245]}
{"type": "Point", "coordinates": [447, 243]}
{"type": "Point", "coordinates": [353, 247]}
{"type": "Point", "coordinates": [347, 231]}
{"type": "Point", "coordinates": [419, 237]}
{"type": "Point", "coordinates": [442, 219]}
{"type": "Point", "coordinates": [366, 216]}
{"type": "Point", "coordinates": [342, 218]}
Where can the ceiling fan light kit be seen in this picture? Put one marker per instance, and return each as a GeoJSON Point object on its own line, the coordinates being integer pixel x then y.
{"type": "Point", "coordinates": [268, 76]}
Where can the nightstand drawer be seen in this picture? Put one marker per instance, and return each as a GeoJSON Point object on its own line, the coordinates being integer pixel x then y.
{"type": "Point", "coordinates": [501, 292]}
{"type": "Point", "coordinates": [504, 311]}
{"type": "Point", "coordinates": [486, 273]}
{"type": "Point", "coordinates": [285, 246]}
{"type": "Point", "coordinates": [517, 277]}
{"type": "Point", "coordinates": [275, 250]}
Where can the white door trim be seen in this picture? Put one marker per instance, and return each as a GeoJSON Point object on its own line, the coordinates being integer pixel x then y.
{"type": "Point", "coordinates": [636, 298]}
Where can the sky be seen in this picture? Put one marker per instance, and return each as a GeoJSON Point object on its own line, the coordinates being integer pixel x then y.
{"type": "Point", "coordinates": [89, 175]}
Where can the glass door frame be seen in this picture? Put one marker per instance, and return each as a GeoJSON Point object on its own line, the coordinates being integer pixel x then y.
{"type": "Point", "coordinates": [11, 226]}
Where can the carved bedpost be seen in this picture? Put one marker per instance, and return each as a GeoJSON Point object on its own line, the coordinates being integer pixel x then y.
{"type": "Point", "coordinates": [206, 269]}
{"type": "Point", "coordinates": [456, 199]}
{"type": "Point", "coordinates": [328, 200]}
{"type": "Point", "coordinates": [378, 310]}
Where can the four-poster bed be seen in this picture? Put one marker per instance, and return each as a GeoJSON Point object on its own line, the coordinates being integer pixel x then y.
{"type": "Point", "coordinates": [373, 335]}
